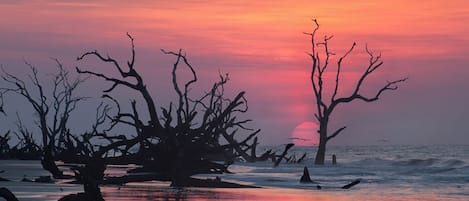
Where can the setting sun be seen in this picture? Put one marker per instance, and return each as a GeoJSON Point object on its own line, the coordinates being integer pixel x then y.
{"type": "Point", "coordinates": [305, 134]}
{"type": "Point", "coordinates": [203, 100]}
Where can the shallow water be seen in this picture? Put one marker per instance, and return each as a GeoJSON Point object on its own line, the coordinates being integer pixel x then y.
{"type": "Point", "coordinates": [386, 173]}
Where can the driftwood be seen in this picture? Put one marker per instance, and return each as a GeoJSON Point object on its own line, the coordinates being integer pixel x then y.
{"type": "Point", "coordinates": [282, 156]}
{"type": "Point", "coordinates": [52, 109]}
{"type": "Point", "coordinates": [80, 197]}
{"type": "Point", "coordinates": [355, 182]}
{"type": "Point", "coordinates": [7, 194]}
{"type": "Point", "coordinates": [171, 143]}
{"type": "Point", "coordinates": [209, 183]}
{"type": "Point", "coordinates": [180, 140]}
{"type": "Point", "coordinates": [4, 146]}
{"type": "Point", "coordinates": [305, 178]}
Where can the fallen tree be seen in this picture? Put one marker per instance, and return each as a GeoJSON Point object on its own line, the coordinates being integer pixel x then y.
{"type": "Point", "coordinates": [188, 137]}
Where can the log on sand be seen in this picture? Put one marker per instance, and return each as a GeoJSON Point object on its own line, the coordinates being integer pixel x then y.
{"type": "Point", "coordinates": [7, 194]}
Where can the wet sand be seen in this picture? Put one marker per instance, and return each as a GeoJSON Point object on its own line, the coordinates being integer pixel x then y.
{"type": "Point", "coordinates": [30, 191]}
{"type": "Point", "coordinates": [156, 191]}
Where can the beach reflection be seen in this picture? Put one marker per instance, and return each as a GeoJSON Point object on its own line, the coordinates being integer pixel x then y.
{"type": "Point", "coordinates": [141, 193]}
{"type": "Point", "coordinates": [160, 193]}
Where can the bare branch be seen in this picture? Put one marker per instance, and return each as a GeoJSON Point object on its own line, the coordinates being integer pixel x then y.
{"type": "Point", "coordinates": [130, 73]}
{"type": "Point", "coordinates": [337, 132]}
{"type": "Point", "coordinates": [389, 86]}
{"type": "Point", "coordinates": [325, 110]}
{"type": "Point", "coordinates": [339, 65]}
{"type": "Point", "coordinates": [115, 81]}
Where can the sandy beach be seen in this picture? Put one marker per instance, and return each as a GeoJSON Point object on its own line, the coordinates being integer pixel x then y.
{"type": "Point", "coordinates": [392, 173]}
{"type": "Point", "coordinates": [42, 192]}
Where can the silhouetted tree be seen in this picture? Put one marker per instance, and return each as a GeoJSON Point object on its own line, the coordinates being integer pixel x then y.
{"type": "Point", "coordinates": [52, 109]}
{"type": "Point", "coordinates": [326, 105]}
{"type": "Point", "coordinates": [181, 139]}
{"type": "Point", "coordinates": [7, 194]}
{"type": "Point", "coordinates": [26, 148]}
{"type": "Point", "coordinates": [4, 146]}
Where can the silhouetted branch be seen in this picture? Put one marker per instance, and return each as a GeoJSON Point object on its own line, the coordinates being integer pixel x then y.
{"type": "Point", "coordinates": [130, 73]}
{"type": "Point", "coordinates": [53, 111]}
{"type": "Point", "coordinates": [337, 132]}
{"type": "Point", "coordinates": [324, 109]}
{"type": "Point", "coordinates": [287, 147]}
{"type": "Point", "coordinates": [339, 65]}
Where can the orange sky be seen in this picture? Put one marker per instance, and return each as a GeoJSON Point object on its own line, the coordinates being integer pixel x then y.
{"type": "Point", "coordinates": [262, 46]}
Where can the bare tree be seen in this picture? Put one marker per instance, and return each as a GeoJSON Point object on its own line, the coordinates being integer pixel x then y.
{"type": "Point", "coordinates": [27, 147]}
{"type": "Point", "coordinates": [326, 105]}
{"type": "Point", "coordinates": [181, 139]}
{"type": "Point", "coordinates": [53, 109]}
{"type": "Point", "coordinates": [4, 146]}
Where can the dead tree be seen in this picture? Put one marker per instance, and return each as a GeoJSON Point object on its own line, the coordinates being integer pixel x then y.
{"type": "Point", "coordinates": [26, 148]}
{"type": "Point", "coordinates": [181, 139]}
{"type": "Point", "coordinates": [326, 105]}
{"type": "Point", "coordinates": [53, 109]}
{"type": "Point", "coordinates": [4, 146]}
{"type": "Point", "coordinates": [7, 194]}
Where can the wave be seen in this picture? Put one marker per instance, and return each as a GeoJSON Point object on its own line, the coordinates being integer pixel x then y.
{"type": "Point", "coordinates": [373, 162]}
{"type": "Point", "coordinates": [430, 162]}
{"type": "Point", "coordinates": [417, 162]}
{"type": "Point", "coordinates": [427, 170]}
{"type": "Point", "coordinates": [453, 162]}
{"type": "Point", "coordinates": [426, 162]}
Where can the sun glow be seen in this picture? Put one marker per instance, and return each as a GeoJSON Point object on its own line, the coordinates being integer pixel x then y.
{"type": "Point", "coordinates": [305, 134]}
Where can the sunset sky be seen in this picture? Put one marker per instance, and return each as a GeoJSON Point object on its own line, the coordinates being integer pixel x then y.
{"type": "Point", "coordinates": [262, 46]}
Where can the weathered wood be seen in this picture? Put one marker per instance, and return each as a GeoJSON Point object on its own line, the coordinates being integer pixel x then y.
{"type": "Point", "coordinates": [52, 109]}
{"type": "Point", "coordinates": [301, 158]}
{"type": "Point", "coordinates": [325, 105]}
{"type": "Point", "coordinates": [7, 194]}
{"type": "Point", "coordinates": [305, 178]}
{"type": "Point", "coordinates": [282, 156]}
{"type": "Point", "coordinates": [353, 183]}
{"type": "Point", "coordinates": [175, 142]}
{"type": "Point", "coordinates": [80, 197]}
{"type": "Point", "coordinates": [90, 176]}
{"type": "Point", "coordinates": [209, 183]}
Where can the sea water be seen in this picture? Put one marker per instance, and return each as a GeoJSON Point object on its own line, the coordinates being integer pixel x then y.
{"type": "Point", "coordinates": [441, 171]}
{"type": "Point", "coordinates": [433, 172]}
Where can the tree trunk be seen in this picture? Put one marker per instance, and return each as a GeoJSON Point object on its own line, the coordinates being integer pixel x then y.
{"type": "Point", "coordinates": [327, 100]}
{"type": "Point", "coordinates": [48, 163]}
{"type": "Point", "coordinates": [91, 175]}
{"type": "Point", "coordinates": [320, 154]}
{"type": "Point", "coordinates": [7, 195]}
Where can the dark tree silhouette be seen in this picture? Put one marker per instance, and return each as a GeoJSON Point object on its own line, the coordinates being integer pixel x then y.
{"type": "Point", "coordinates": [326, 105]}
{"type": "Point", "coordinates": [4, 146]}
{"type": "Point", "coordinates": [53, 109]}
{"type": "Point", "coordinates": [7, 194]}
{"type": "Point", "coordinates": [27, 148]}
{"type": "Point", "coordinates": [180, 140]}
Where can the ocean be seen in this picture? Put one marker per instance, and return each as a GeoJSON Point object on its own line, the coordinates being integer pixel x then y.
{"type": "Point", "coordinates": [430, 172]}
{"type": "Point", "coordinates": [441, 170]}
